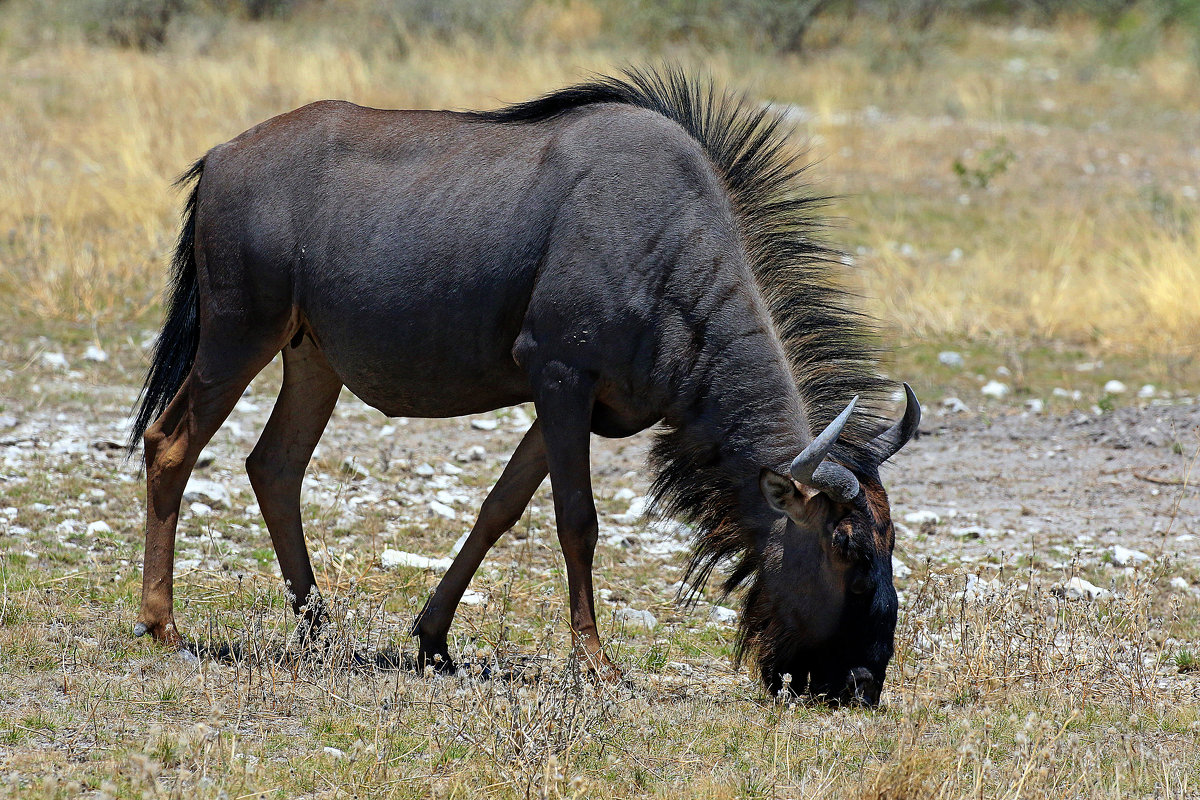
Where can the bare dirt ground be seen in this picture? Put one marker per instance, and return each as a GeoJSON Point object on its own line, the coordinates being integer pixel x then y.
{"type": "Point", "coordinates": [997, 509]}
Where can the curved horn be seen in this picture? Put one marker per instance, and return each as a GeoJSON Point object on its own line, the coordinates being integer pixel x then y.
{"type": "Point", "coordinates": [811, 469]}
{"type": "Point", "coordinates": [895, 437]}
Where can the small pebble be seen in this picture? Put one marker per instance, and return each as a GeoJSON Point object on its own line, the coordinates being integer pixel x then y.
{"type": "Point", "coordinates": [921, 517]}
{"type": "Point", "coordinates": [1079, 589]}
{"type": "Point", "coordinates": [951, 359]}
{"type": "Point", "coordinates": [210, 493]}
{"type": "Point", "coordinates": [55, 360]}
{"type": "Point", "coordinates": [1128, 557]}
{"type": "Point", "coordinates": [995, 389]}
{"type": "Point", "coordinates": [635, 618]}
{"type": "Point", "coordinates": [955, 406]}
{"type": "Point", "coordinates": [391, 559]}
{"type": "Point", "coordinates": [1114, 387]}
{"type": "Point", "coordinates": [442, 510]}
{"type": "Point", "coordinates": [723, 616]}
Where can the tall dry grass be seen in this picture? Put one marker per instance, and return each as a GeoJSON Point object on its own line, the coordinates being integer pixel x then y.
{"type": "Point", "coordinates": [1062, 243]}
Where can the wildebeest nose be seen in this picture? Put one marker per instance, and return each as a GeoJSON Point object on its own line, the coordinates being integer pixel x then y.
{"type": "Point", "coordinates": [862, 686]}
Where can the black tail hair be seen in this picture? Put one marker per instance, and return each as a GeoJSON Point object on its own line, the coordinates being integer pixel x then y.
{"type": "Point", "coordinates": [175, 350]}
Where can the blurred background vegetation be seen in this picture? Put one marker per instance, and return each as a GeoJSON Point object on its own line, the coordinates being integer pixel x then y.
{"type": "Point", "coordinates": [1019, 172]}
{"type": "Point", "coordinates": [1131, 27]}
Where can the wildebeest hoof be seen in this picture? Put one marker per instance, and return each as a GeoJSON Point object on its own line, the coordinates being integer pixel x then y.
{"type": "Point", "coordinates": [165, 635]}
{"type": "Point", "coordinates": [437, 659]}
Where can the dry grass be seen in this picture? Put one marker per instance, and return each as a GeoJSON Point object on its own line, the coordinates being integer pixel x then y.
{"type": "Point", "coordinates": [1087, 235]}
{"type": "Point", "coordinates": [1015, 694]}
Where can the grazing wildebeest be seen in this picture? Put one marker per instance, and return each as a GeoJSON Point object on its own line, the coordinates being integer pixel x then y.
{"type": "Point", "coordinates": [625, 253]}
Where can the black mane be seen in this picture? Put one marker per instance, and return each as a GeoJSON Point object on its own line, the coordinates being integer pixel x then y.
{"type": "Point", "coordinates": [830, 345]}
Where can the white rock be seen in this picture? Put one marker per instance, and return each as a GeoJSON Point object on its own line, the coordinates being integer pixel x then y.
{"type": "Point", "coordinates": [1035, 405]}
{"type": "Point", "coordinates": [484, 424]}
{"type": "Point", "coordinates": [475, 452]}
{"type": "Point", "coordinates": [1079, 589]}
{"type": "Point", "coordinates": [442, 510]}
{"type": "Point", "coordinates": [978, 588]}
{"type": "Point", "coordinates": [954, 405]}
{"type": "Point", "coordinates": [636, 618]}
{"type": "Point", "coordinates": [94, 353]}
{"type": "Point", "coordinates": [391, 559]}
{"type": "Point", "coordinates": [624, 493]}
{"type": "Point", "coordinates": [950, 358]}
{"type": "Point", "coordinates": [994, 389]}
{"type": "Point", "coordinates": [55, 360]}
{"type": "Point", "coordinates": [451, 469]}
{"type": "Point", "coordinates": [200, 509]}
{"type": "Point", "coordinates": [921, 517]}
{"type": "Point", "coordinates": [723, 616]}
{"type": "Point", "coordinates": [425, 470]}
{"type": "Point", "coordinates": [451, 499]}
{"type": "Point", "coordinates": [1003, 371]}
{"type": "Point", "coordinates": [99, 526]}
{"type": "Point", "coordinates": [333, 751]}
{"type": "Point", "coordinates": [900, 570]}
{"type": "Point", "coordinates": [200, 490]}
{"type": "Point", "coordinates": [1114, 387]}
{"type": "Point", "coordinates": [637, 507]}
{"type": "Point", "coordinates": [458, 544]}
{"type": "Point", "coordinates": [473, 598]}
{"type": "Point", "coordinates": [1126, 557]}
{"type": "Point", "coordinates": [1147, 391]}
{"type": "Point", "coordinates": [520, 419]}
{"type": "Point", "coordinates": [1179, 583]}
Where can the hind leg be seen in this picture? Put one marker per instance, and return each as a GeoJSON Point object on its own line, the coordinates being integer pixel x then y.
{"type": "Point", "coordinates": [221, 371]}
{"type": "Point", "coordinates": [501, 510]}
{"type": "Point", "coordinates": [276, 466]}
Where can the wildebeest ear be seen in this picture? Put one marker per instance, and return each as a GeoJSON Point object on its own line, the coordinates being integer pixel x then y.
{"type": "Point", "coordinates": [783, 493]}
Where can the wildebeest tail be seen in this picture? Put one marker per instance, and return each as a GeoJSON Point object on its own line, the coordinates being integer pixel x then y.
{"type": "Point", "coordinates": [175, 350]}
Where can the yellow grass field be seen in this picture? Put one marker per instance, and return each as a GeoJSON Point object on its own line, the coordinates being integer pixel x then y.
{"type": "Point", "coordinates": [1086, 234]}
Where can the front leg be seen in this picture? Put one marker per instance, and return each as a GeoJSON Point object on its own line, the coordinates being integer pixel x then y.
{"type": "Point", "coordinates": [501, 510]}
{"type": "Point", "coordinates": [564, 400]}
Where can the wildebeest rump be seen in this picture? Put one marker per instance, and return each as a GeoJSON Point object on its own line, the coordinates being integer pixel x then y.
{"type": "Point", "coordinates": [627, 252]}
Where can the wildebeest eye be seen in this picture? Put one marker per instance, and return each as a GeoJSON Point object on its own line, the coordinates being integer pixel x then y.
{"type": "Point", "coordinates": [860, 584]}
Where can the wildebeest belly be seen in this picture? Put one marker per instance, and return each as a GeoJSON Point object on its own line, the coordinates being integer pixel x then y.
{"type": "Point", "coordinates": [415, 341]}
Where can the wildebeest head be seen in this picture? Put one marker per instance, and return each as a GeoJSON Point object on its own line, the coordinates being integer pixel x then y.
{"type": "Point", "coordinates": [823, 607]}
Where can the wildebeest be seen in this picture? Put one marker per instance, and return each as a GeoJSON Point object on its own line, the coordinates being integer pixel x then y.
{"type": "Point", "coordinates": [625, 253]}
